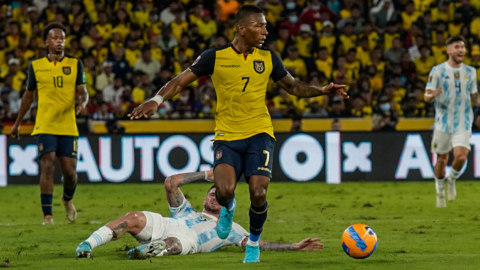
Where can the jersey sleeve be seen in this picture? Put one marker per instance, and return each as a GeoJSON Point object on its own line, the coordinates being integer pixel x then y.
{"type": "Point", "coordinates": [204, 64]}
{"type": "Point", "coordinates": [183, 210]}
{"type": "Point", "coordinates": [278, 71]}
{"type": "Point", "coordinates": [236, 236]}
{"type": "Point", "coordinates": [433, 79]}
{"type": "Point", "coordinates": [80, 73]}
{"type": "Point", "coordinates": [31, 79]}
{"type": "Point", "coordinates": [474, 84]}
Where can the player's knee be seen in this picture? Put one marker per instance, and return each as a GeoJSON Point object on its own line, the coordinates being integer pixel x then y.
{"type": "Point", "coordinates": [258, 196]}
{"type": "Point", "coordinates": [442, 160]}
{"type": "Point", "coordinates": [461, 158]}
{"type": "Point", "coordinates": [132, 217]}
{"type": "Point", "coordinates": [70, 175]}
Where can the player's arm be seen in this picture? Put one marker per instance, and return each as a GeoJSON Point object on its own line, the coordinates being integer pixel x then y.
{"type": "Point", "coordinates": [307, 244]}
{"type": "Point", "coordinates": [173, 183]}
{"type": "Point", "coordinates": [81, 94]}
{"type": "Point", "coordinates": [433, 87]}
{"type": "Point", "coordinates": [203, 65]}
{"type": "Point", "coordinates": [27, 100]}
{"type": "Point", "coordinates": [305, 90]}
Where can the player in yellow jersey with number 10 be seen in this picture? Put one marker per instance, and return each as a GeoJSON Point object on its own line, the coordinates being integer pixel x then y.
{"type": "Point", "coordinates": [59, 82]}
{"type": "Point", "coordinates": [244, 140]}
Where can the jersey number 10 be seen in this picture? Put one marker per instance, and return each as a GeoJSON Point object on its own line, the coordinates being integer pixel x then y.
{"type": "Point", "coordinates": [58, 81]}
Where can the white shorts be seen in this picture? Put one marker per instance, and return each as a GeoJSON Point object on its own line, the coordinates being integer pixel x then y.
{"type": "Point", "coordinates": [158, 227]}
{"type": "Point", "coordinates": [443, 143]}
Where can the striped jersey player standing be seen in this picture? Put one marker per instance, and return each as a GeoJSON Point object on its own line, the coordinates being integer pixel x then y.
{"type": "Point", "coordinates": [244, 140]}
{"type": "Point", "coordinates": [58, 81]}
{"type": "Point", "coordinates": [452, 86]}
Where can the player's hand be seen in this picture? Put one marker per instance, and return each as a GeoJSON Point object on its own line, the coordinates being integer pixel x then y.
{"type": "Point", "coordinates": [14, 132]}
{"type": "Point", "coordinates": [80, 109]}
{"type": "Point", "coordinates": [310, 244]}
{"type": "Point", "coordinates": [210, 175]}
{"type": "Point", "coordinates": [335, 90]}
{"type": "Point", "coordinates": [144, 110]}
{"type": "Point", "coordinates": [437, 92]}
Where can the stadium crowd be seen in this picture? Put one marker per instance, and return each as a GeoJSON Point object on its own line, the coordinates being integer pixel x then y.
{"type": "Point", "coordinates": [382, 50]}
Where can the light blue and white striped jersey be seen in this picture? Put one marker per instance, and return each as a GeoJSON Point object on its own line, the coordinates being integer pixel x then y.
{"type": "Point", "coordinates": [204, 227]}
{"type": "Point", "coordinates": [453, 109]}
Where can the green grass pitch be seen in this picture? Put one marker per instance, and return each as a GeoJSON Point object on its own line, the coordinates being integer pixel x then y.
{"type": "Point", "coordinates": [412, 232]}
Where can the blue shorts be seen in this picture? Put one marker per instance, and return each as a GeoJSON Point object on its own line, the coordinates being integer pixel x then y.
{"type": "Point", "coordinates": [63, 146]}
{"type": "Point", "coordinates": [249, 156]}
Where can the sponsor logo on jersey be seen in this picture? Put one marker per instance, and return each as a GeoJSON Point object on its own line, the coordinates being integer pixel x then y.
{"type": "Point", "coordinates": [259, 66]}
{"type": "Point", "coordinates": [67, 70]}
{"type": "Point", "coordinates": [230, 66]}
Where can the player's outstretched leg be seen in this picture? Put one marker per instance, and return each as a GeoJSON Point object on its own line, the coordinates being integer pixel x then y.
{"type": "Point", "coordinates": [132, 222]}
{"type": "Point", "coordinates": [157, 248]}
{"type": "Point", "coordinates": [440, 188]}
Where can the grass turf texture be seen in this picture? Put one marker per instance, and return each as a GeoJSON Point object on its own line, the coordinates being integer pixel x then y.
{"type": "Point", "coordinates": [412, 232]}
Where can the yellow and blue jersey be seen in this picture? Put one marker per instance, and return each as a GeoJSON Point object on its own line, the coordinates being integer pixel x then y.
{"type": "Point", "coordinates": [56, 86]}
{"type": "Point", "coordinates": [241, 83]}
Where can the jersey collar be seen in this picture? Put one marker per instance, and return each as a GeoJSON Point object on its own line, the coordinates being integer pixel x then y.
{"type": "Point", "coordinates": [208, 216]}
{"type": "Point", "coordinates": [235, 50]}
{"type": "Point", "coordinates": [58, 60]}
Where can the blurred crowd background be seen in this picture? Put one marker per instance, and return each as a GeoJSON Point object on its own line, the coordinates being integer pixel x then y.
{"type": "Point", "coordinates": [382, 50]}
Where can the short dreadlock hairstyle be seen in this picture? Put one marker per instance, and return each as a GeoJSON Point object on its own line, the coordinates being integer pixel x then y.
{"type": "Point", "coordinates": [51, 26]}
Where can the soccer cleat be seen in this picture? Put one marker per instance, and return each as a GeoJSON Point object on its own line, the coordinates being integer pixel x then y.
{"type": "Point", "coordinates": [252, 254]}
{"type": "Point", "coordinates": [47, 220]}
{"type": "Point", "coordinates": [70, 211]}
{"type": "Point", "coordinates": [441, 202]}
{"type": "Point", "coordinates": [224, 224]}
{"type": "Point", "coordinates": [84, 250]}
{"type": "Point", "coordinates": [451, 190]}
{"type": "Point", "coordinates": [151, 249]}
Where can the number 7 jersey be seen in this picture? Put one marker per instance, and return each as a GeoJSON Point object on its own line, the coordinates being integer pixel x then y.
{"type": "Point", "coordinates": [56, 87]}
{"type": "Point", "coordinates": [240, 82]}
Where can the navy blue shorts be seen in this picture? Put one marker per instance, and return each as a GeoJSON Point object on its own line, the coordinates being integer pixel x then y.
{"type": "Point", "coordinates": [63, 146]}
{"type": "Point", "coordinates": [249, 156]}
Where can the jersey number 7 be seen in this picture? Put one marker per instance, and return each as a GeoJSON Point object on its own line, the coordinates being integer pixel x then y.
{"type": "Point", "coordinates": [248, 79]}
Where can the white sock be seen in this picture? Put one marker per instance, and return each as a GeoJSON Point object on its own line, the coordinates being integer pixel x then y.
{"type": "Point", "coordinates": [439, 185]}
{"type": "Point", "coordinates": [100, 237]}
{"type": "Point", "coordinates": [453, 175]}
{"type": "Point", "coordinates": [253, 243]}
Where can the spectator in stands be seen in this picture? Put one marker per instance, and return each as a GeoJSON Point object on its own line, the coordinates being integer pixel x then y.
{"type": "Point", "coordinates": [209, 104]}
{"type": "Point", "coordinates": [347, 40]}
{"type": "Point", "coordinates": [132, 53]}
{"type": "Point", "coordinates": [355, 18]}
{"type": "Point", "coordinates": [352, 64]}
{"type": "Point", "coordinates": [164, 76]}
{"type": "Point", "coordinates": [103, 113]}
{"type": "Point", "coordinates": [147, 64]}
{"type": "Point", "coordinates": [166, 41]}
{"type": "Point", "coordinates": [167, 16]}
{"type": "Point", "coordinates": [409, 107]}
{"type": "Point", "coordinates": [324, 62]}
{"type": "Point", "coordinates": [304, 41]}
{"type": "Point", "coordinates": [394, 55]}
{"type": "Point", "coordinates": [184, 44]}
{"type": "Point", "coordinates": [285, 104]}
{"type": "Point", "coordinates": [336, 124]}
{"type": "Point", "coordinates": [120, 66]}
{"type": "Point", "coordinates": [183, 107]}
{"type": "Point", "coordinates": [179, 25]}
{"type": "Point", "coordinates": [18, 77]}
{"type": "Point", "coordinates": [384, 117]}
{"type": "Point", "coordinates": [327, 38]}
{"type": "Point", "coordinates": [143, 90]}
{"type": "Point", "coordinates": [122, 23]}
{"type": "Point", "coordinates": [225, 8]}
{"type": "Point", "coordinates": [314, 110]}
{"type": "Point", "coordinates": [112, 93]}
{"type": "Point", "coordinates": [294, 64]}
{"type": "Point", "coordinates": [105, 78]}
{"type": "Point", "coordinates": [338, 108]}
{"type": "Point", "coordinates": [207, 27]}
{"type": "Point", "coordinates": [382, 13]}
{"type": "Point", "coordinates": [312, 14]}
{"type": "Point", "coordinates": [342, 75]}
{"type": "Point", "coordinates": [104, 28]}
{"type": "Point", "coordinates": [424, 64]}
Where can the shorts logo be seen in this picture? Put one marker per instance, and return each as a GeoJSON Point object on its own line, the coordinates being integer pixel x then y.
{"type": "Point", "coordinates": [40, 146]}
{"type": "Point", "coordinates": [219, 154]}
{"type": "Point", "coordinates": [457, 76]}
{"type": "Point", "coordinates": [259, 66]}
{"type": "Point", "coordinates": [435, 145]}
{"type": "Point", "coordinates": [67, 70]}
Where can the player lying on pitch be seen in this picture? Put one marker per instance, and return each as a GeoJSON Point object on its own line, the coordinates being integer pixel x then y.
{"type": "Point", "coordinates": [186, 232]}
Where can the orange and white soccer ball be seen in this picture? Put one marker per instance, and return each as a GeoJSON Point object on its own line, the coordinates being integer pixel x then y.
{"type": "Point", "coordinates": [359, 241]}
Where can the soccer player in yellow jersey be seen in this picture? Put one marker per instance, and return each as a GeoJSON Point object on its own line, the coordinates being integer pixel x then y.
{"type": "Point", "coordinates": [244, 140]}
{"type": "Point", "coordinates": [59, 83]}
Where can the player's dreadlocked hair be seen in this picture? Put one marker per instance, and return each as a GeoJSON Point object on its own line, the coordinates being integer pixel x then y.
{"type": "Point", "coordinates": [451, 40]}
{"type": "Point", "coordinates": [245, 11]}
{"type": "Point", "coordinates": [51, 26]}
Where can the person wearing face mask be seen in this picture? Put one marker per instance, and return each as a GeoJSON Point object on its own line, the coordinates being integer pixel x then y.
{"type": "Point", "coordinates": [291, 22]}
{"type": "Point", "coordinates": [312, 13]}
{"type": "Point", "coordinates": [384, 118]}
